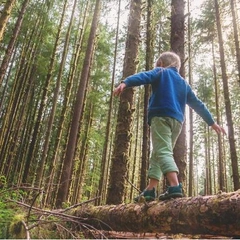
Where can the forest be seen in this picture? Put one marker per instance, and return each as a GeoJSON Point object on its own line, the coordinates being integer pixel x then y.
{"type": "Point", "coordinates": [67, 144]}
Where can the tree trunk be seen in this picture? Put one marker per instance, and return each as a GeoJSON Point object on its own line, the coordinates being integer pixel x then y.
{"type": "Point", "coordinates": [17, 125]}
{"type": "Point", "coordinates": [33, 146]}
{"type": "Point", "coordinates": [9, 50]}
{"type": "Point", "coordinates": [5, 14]}
{"type": "Point", "coordinates": [218, 214]}
{"type": "Point", "coordinates": [123, 130]}
{"type": "Point", "coordinates": [221, 169]}
{"type": "Point", "coordinates": [83, 156]}
{"type": "Point", "coordinates": [236, 37]}
{"type": "Point", "coordinates": [207, 163]}
{"type": "Point", "coordinates": [134, 172]}
{"type": "Point", "coordinates": [55, 166]}
{"type": "Point", "coordinates": [104, 164]}
{"type": "Point", "coordinates": [177, 45]}
{"type": "Point", "coordinates": [191, 168]}
{"type": "Point", "coordinates": [16, 99]}
{"type": "Point", "coordinates": [146, 129]}
{"type": "Point", "coordinates": [77, 112]}
{"type": "Point", "coordinates": [231, 137]}
{"type": "Point", "coordinates": [40, 169]}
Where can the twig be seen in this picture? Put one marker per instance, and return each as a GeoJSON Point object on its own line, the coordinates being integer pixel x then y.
{"type": "Point", "coordinates": [20, 187]}
{"type": "Point", "coordinates": [132, 185]}
{"type": "Point", "coordinates": [26, 229]}
{"type": "Point", "coordinates": [59, 225]}
{"type": "Point", "coordinates": [35, 198]}
{"type": "Point", "coordinates": [79, 204]}
{"type": "Point", "coordinates": [56, 213]}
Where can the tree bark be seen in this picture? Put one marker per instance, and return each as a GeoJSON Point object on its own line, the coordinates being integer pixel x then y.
{"type": "Point", "coordinates": [149, 63]}
{"type": "Point", "coordinates": [221, 169]}
{"type": "Point", "coordinates": [5, 14]}
{"type": "Point", "coordinates": [228, 107]}
{"type": "Point", "coordinates": [40, 168]}
{"type": "Point", "coordinates": [190, 81]}
{"type": "Point", "coordinates": [33, 146]}
{"type": "Point", "coordinates": [236, 34]}
{"type": "Point", "coordinates": [77, 112]}
{"type": "Point", "coordinates": [124, 119]}
{"type": "Point", "coordinates": [11, 44]}
{"type": "Point", "coordinates": [217, 214]}
{"type": "Point", "coordinates": [54, 165]}
{"type": "Point", "coordinates": [105, 161]}
{"type": "Point", "coordinates": [177, 45]}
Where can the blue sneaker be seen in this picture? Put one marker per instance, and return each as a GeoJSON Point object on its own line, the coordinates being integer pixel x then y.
{"type": "Point", "coordinates": [148, 195]}
{"type": "Point", "coordinates": [172, 192]}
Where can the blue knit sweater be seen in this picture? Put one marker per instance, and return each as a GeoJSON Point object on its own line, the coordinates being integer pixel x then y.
{"type": "Point", "coordinates": [170, 94]}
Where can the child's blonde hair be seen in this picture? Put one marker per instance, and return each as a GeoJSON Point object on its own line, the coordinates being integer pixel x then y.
{"type": "Point", "coordinates": [169, 59]}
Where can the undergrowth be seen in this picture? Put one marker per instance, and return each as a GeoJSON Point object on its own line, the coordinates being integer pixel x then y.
{"type": "Point", "coordinates": [19, 221]}
{"type": "Point", "coordinates": [7, 208]}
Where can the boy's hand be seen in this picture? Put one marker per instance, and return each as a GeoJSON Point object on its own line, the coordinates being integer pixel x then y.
{"type": "Point", "coordinates": [218, 129]}
{"type": "Point", "coordinates": [119, 89]}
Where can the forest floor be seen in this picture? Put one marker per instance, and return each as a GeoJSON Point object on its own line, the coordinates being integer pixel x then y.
{"type": "Point", "coordinates": [130, 235]}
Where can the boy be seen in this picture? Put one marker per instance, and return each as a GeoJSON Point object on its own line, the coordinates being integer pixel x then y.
{"type": "Point", "coordinates": [170, 94]}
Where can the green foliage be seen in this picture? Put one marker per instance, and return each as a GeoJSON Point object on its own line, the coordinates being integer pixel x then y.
{"type": "Point", "coordinates": [6, 215]}
{"type": "Point", "coordinates": [16, 228]}
{"type": "Point", "coordinates": [7, 209]}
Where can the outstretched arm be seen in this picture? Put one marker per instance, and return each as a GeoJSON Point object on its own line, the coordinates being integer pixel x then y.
{"type": "Point", "coordinates": [218, 129]}
{"type": "Point", "coordinates": [138, 79]}
{"type": "Point", "coordinates": [119, 89]}
{"type": "Point", "coordinates": [202, 111]}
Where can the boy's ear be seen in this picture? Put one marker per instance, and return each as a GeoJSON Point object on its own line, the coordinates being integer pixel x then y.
{"type": "Point", "coordinates": [159, 63]}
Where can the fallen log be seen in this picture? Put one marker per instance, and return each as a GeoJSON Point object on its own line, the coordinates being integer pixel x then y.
{"type": "Point", "coordinates": [216, 214]}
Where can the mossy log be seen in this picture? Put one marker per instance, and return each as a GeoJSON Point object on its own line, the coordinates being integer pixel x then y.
{"type": "Point", "coordinates": [215, 214]}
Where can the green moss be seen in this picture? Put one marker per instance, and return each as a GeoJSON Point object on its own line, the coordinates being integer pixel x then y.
{"type": "Point", "coordinates": [16, 229]}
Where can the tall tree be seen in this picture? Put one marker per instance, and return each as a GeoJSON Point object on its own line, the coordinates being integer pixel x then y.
{"type": "Point", "coordinates": [31, 154]}
{"type": "Point", "coordinates": [177, 45]}
{"type": "Point", "coordinates": [12, 41]}
{"type": "Point", "coordinates": [191, 169]}
{"type": "Point", "coordinates": [83, 153]}
{"type": "Point", "coordinates": [40, 169]}
{"type": "Point", "coordinates": [221, 168]}
{"type": "Point", "coordinates": [25, 73]}
{"type": "Point", "coordinates": [236, 36]}
{"type": "Point", "coordinates": [124, 119]}
{"type": "Point", "coordinates": [231, 136]}
{"type": "Point", "coordinates": [207, 190]}
{"type": "Point", "coordinates": [149, 63]}
{"type": "Point", "coordinates": [53, 163]}
{"type": "Point", "coordinates": [105, 164]}
{"type": "Point", "coordinates": [4, 16]}
{"type": "Point", "coordinates": [77, 112]}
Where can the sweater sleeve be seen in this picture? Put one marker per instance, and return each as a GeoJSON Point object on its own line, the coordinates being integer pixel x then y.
{"type": "Point", "coordinates": [199, 107]}
{"type": "Point", "coordinates": [141, 78]}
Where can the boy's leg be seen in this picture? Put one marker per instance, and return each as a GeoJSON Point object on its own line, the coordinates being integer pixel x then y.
{"type": "Point", "coordinates": [163, 138]}
{"type": "Point", "coordinates": [176, 129]}
{"type": "Point", "coordinates": [172, 178]}
{"type": "Point", "coordinates": [174, 189]}
{"type": "Point", "coordinates": [162, 146]}
{"type": "Point", "coordinates": [165, 132]}
{"type": "Point", "coordinates": [152, 184]}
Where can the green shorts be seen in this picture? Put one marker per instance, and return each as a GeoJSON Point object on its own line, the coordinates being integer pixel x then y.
{"type": "Point", "coordinates": [164, 134]}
